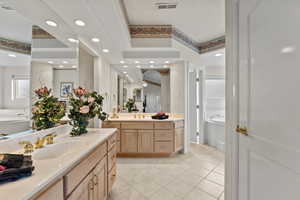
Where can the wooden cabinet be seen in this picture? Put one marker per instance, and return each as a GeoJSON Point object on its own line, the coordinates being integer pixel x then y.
{"type": "Point", "coordinates": [129, 141]}
{"type": "Point", "coordinates": [112, 175]}
{"type": "Point", "coordinates": [148, 138]}
{"type": "Point", "coordinates": [84, 190]}
{"type": "Point", "coordinates": [145, 144]}
{"type": "Point", "coordinates": [100, 181]}
{"type": "Point", "coordinates": [53, 192]}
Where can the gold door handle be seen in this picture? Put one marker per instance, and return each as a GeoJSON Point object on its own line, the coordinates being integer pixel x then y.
{"type": "Point", "coordinates": [95, 180]}
{"type": "Point", "coordinates": [242, 130]}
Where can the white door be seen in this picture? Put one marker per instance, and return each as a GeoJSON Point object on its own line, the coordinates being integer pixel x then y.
{"type": "Point", "coordinates": [269, 89]}
{"type": "Point", "coordinates": [192, 99]}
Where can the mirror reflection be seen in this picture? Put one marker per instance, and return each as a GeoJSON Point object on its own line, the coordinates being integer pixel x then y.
{"type": "Point", "coordinates": [143, 89]}
{"type": "Point", "coordinates": [31, 58]}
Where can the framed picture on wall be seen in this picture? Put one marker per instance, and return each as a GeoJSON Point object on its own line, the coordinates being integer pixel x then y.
{"type": "Point", "coordinates": [65, 89]}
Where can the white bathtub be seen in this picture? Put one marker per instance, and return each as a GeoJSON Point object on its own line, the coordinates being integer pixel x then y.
{"type": "Point", "coordinates": [13, 121]}
{"type": "Point", "coordinates": [214, 134]}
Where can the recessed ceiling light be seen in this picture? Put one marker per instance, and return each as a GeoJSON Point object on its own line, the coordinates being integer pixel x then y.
{"type": "Point", "coordinates": [218, 54]}
{"type": "Point", "coordinates": [51, 23]}
{"type": "Point", "coordinates": [50, 62]}
{"type": "Point", "coordinates": [125, 72]}
{"type": "Point", "coordinates": [74, 66]}
{"type": "Point", "coordinates": [79, 22]}
{"type": "Point", "coordinates": [137, 61]}
{"type": "Point", "coordinates": [165, 66]}
{"type": "Point", "coordinates": [151, 62]}
{"type": "Point", "coordinates": [288, 49]}
{"type": "Point", "coordinates": [12, 55]}
{"type": "Point", "coordinates": [138, 66]}
{"type": "Point", "coordinates": [122, 61]}
{"type": "Point", "coordinates": [60, 66]}
{"type": "Point", "coordinates": [105, 50]}
{"type": "Point", "coordinates": [125, 66]}
{"type": "Point", "coordinates": [65, 62]}
{"type": "Point", "coordinates": [152, 66]}
{"type": "Point", "coordinates": [72, 40]}
{"type": "Point", "coordinates": [96, 40]}
{"type": "Point", "coordinates": [145, 84]}
{"type": "Point", "coordinates": [167, 62]}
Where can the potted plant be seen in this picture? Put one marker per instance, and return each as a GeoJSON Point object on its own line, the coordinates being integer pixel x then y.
{"type": "Point", "coordinates": [85, 105]}
{"type": "Point", "coordinates": [130, 105]}
{"type": "Point", "coordinates": [47, 111]}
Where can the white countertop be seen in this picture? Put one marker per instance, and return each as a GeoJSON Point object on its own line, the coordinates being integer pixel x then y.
{"type": "Point", "coordinates": [48, 171]}
{"type": "Point", "coordinates": [145, 119]}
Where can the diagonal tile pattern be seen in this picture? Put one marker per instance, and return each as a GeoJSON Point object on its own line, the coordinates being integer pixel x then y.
{"type": "Point", "coordinates": [198, 175]}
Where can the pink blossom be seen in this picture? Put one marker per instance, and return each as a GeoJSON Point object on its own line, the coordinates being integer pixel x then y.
{"type": "Point", "coordinates": [34, 109]}
{"type": "Point", "coordinates": [91, 99]}
{"type": "Point", "coordinates": [79, 92]}
{"type": "Point", "coordinates": [84, 109]}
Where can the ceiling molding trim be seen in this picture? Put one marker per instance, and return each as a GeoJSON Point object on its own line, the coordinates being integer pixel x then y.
{"type": "Point", "coordinates": [15, 46]}
{"type": "Point", "coordinates": [39, 33]}
{"type": "Point", "coordinates": [150, 31]}
{"type": "Point", "coordinates": [212, 45]}
{"type": "Point", "coordinates": [185, 40]}
{"type": "Point", "coordinates": [123, 7]}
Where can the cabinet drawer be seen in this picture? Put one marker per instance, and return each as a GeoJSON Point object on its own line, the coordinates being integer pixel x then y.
{"type": "Point", "coordinates": [164, 135]}
{"type": "Point", "coordinates": [112, 175]}
{"type": "Point", "coordinates": [76, 175]}
{"type": "Point", "coordinates": [163, 125]}
{"type": "Point", "coordinates": [112, 157]}
{"type": "Point", "coordinates": [163, 147]}
{"type": "Point", "coordinates": [112, 141]}
{"type": "Point", "coordinates": [137, 125]}
{"type": "Point", "coordinates": [108, 124]}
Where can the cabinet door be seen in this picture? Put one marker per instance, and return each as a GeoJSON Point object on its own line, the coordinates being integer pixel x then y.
{"type": "Point", "coordinates": [100, 180]}
{"type": "Point", "coordinates": [54, 192]}
{"type": "Point", "coordinates": [84, 191]}
{"type": "Point", "coordinates": [145, 144]}
{"type": "Point", "coordinates": [129, 141]}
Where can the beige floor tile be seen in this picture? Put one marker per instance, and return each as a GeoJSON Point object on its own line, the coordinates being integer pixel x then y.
{"type": "Point", "coordinates": [179, 188]}
{"type": "Point", "coordinates": [222, 197]}
{"type": "Point", "coordinates": [211, 188]}
{"type": "Point", "coordinates": [197, 194]}
{"type": "Point", "coordinates": [173, 178]}
{"type": "Point", "coordinates": [164, 194]}
{"type": "Point", "coordinates": [216, 177]}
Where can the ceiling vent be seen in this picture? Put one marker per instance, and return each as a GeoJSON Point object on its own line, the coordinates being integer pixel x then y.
{"type": "Point", "coordinates": [161, 6]}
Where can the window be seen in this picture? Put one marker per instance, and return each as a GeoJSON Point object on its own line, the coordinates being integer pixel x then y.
{"type": "Point", "coordinates": [20, 87]}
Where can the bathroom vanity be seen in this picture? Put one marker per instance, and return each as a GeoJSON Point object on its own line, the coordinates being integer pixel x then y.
{"type": "Point", "coordinates": [74, 168]}
{"type": "Point", "coordinates": [147, 137]}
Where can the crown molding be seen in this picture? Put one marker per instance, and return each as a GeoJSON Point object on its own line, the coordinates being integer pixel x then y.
{"type": "Point", "coordinates": [15, 46]}
{"type": "Point", "coordinates": [39, 33]}
{"type": "Point", "coordinates": [211, 45]}
{"type": "Point", "coordinates": [150, 31]}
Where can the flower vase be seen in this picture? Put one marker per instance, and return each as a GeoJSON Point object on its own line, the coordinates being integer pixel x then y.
{"type": "Point", "coordinates": [80, 127]}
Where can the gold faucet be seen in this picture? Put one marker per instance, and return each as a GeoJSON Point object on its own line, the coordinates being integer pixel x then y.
{"type": "Point", "coordinates": [28, 147]}
{"type": "Point", "coordinates": [39, 143]}
{"type": "Point", "coordinates": [50, 138]}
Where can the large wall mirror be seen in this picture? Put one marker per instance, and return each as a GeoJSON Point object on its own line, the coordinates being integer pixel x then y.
{"type": "Point", "coordinates": [31, 58]}
{"type": "Point", "coordinates": [148, 89]}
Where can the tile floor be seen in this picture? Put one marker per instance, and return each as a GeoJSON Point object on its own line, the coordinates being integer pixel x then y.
{"type": "Point", "coordinates": [198, 175]}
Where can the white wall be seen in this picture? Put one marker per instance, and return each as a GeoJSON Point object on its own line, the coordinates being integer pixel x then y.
{"type": "Point", "coordinates": [64, 76]}
{"type": "Point", "coordinates": [106, 82]}
{"type": "Point", "coordinates": [6, 87]}
{"type": "Point", "coordinates": [177, 87]}
{"type": "Point", "coordinates": [86, 69]}
{"type": "Point", "coordinates": [1, 87]}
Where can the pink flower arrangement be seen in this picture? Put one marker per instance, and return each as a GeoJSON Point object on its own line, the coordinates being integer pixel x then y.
{"type": "Point", "coordinates": [84, 109]}
{"type": "Point", "coordinates": [79, 92]}
{"type": "Point", "coordinates": [42, 92]}
{"type": "Point", "coordinates": [91, 99]}
{"type": "Point", "coordinates": [34, 109]}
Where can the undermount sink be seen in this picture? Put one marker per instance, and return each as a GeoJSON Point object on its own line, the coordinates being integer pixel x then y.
{"type": "Point", "coordinates": [53, 151]}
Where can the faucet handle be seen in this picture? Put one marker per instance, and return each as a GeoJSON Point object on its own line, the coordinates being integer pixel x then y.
{"type": "Point", "coordinates": [50, 138]}
{"type": "Point", "coordinates": [28, 147]}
